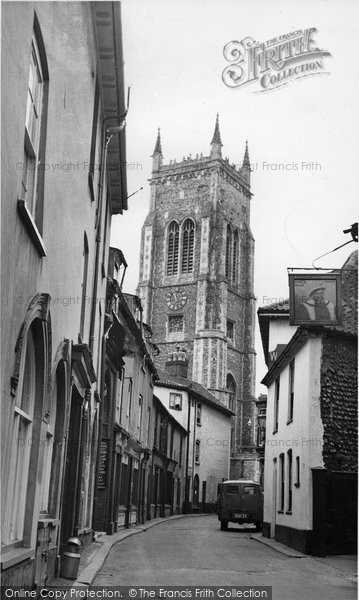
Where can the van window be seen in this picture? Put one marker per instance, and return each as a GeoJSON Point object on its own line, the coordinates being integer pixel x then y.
{"type": "Point", "coordinates": [249, 490]}
{"type": "Point", "coordinates": [231, 489]}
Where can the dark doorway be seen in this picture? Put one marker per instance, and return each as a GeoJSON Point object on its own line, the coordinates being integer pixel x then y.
{"type": "Point", "coordinates": [69, 507]}
{"type": "Point", "coordinates": [196, 492]}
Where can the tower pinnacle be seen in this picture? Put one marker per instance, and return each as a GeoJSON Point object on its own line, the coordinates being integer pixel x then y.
{"type": "Point", "coordinates": [246, 164]}
{"type": "Point", "coordinates": [158, 149]}
{"type": "Point", "coordinates": [216, 143]}
{"type": "Point", "coordinates": [157, 153]}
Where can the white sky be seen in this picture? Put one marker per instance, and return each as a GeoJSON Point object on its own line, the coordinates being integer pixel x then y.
{"type": "Point", "coordinates": [174, 60]}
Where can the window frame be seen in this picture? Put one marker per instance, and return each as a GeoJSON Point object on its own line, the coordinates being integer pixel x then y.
{"type": "Point", "coordinates": [291, 378]}
{"type": "Point", "coordinates": [140, 415]}
{"type": "Point", "coordinates": [21, 488]}
{"type": "Point", "coordinates": [228, 253]}
{"type": "Point", "coordinates": [297, 468]}
{"type": "Point", "coordinates": [172, 250]}
{"type": "Point", "coordinates": [276, 404]}
{"type": "Point", "coordinates": [197, 455]}
{"type": "Point", "coordinates": [30, 203]}
{"type": "Point", "coordinates": [281, 482]}
{"type": "Point", "coordinates": [235, 257]}
{"type": "Point", "coordinates": [172, 405]}
{"type": "Point", "coordinates": [199, 414]}
{"type": "Point", "coordinates": [232, 324]}
{"type": "Point", "coordinates": [187, 246]}
{"type": "Point", "coordinates": [289, 481]}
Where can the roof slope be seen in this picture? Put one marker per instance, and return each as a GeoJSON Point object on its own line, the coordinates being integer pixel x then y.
{"type": "Point", "coordinates": [167, 380]}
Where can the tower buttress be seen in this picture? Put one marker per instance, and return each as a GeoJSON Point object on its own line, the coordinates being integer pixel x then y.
{"type": "Point", "coordinates": [216, 143]}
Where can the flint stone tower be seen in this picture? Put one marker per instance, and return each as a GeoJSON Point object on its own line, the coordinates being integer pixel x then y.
{"type": "Point", "coordinates": [196, 282]}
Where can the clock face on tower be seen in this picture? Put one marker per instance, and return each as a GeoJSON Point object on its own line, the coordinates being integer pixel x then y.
{"type": "Point", "coordinates": [176, 299]}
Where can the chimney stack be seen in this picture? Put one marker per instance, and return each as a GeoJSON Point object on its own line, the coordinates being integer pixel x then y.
{"type": "Point", "coordinates": [177, 364]}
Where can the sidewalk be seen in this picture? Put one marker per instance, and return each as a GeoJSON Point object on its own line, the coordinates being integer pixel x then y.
{"type": "Point", "coordinates": [94, 555]}
{"type": "Point", "coordinates": [345, 565]}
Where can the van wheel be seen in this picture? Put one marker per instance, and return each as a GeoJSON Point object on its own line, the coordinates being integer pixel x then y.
{"type": "Point", "coordinates": [224, 525]}
{"type": "Point", "coordinates": [258, 526]}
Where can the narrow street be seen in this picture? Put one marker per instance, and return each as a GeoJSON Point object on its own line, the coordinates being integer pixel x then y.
{"type": "Point", "coordinates": [193, 551]}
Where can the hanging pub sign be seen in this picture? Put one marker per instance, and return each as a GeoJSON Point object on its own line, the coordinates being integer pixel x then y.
{"type": "Point", "coordinates": [315, 299]}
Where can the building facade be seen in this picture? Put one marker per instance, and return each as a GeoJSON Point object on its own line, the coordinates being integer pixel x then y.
{"type": "Point", "coordinates": [196, 281]}
{"type": "Point", "coordinates": [208, 423]}
{"type": "Point", "coordinates": [310, 477]}
{"type": "Point", "coordinates": [140, 472]}
{"type": "Point", "coordinates": [63, 176]}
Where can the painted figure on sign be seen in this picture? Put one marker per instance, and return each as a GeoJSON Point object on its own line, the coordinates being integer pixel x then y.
{"type": "Point", "coordinates": [316, 307]}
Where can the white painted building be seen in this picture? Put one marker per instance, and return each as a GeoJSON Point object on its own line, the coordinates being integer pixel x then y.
{"type": "Point", "coordinates": [209, 424]}
{"type": "Point", "coordinates": [310, 467]}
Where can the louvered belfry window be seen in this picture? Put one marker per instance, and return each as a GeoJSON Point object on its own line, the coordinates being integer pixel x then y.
{"type": "Point", "coordinates": [228, 252]}
{"type": "Point", "coordinates": [235, 257]}
{"type": "Point", "coordinates": [187, 246]}
{"type": "Point", "coordinates": [172, 253]}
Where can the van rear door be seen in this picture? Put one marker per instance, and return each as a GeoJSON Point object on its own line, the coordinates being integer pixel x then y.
{"type": "Point", "coordinates": [230, 496]}
{"type": "Point", "coordinates": [250, 497]}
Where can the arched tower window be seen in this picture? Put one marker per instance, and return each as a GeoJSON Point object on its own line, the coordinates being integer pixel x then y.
{"type": "Point", "coordinates": [228, 251]}
{"type": "Point", "coordinates": [187, 246]}
{"type": "Point", "coordinates": [231, 389]}
{"type": "Point", "coordinates": [172, 249]}
{"type": "Point", "coordinates": [235, 257]}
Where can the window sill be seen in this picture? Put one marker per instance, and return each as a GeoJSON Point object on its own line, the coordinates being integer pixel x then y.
{"type": "Point", "coordinates": [288, 512]}
{"type": "Point", "coordinates": [297, 485]}
{"type": "Point", "coordinates": [31, 228]}
{"type": "Point", "coordinates": [13, 557]}
{"type": "Point", "coordinates": [289, 421]}
{"type": "Point", "coordinates": [275, 431]}
{"type": "Point", "coordinates": [48, 522]}
{"type": "Point", "coordinates": [281, 512]}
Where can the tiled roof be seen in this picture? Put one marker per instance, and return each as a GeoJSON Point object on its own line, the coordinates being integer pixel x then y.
{"type": "Point", "coordinates": [282, 306]}
{"type": "Point", "coordinates": [167, 380]}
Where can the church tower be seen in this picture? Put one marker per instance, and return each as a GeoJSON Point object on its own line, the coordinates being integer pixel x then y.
{"type": "Point", "coordinates": [196, 281]}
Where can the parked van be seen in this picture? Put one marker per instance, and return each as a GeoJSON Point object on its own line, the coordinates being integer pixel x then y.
{"type": "Point", "coordinates": [240, 501]}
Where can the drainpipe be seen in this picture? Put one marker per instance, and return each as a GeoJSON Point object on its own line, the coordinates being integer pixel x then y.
{"type": "Point", "coordinates": [108, 134]}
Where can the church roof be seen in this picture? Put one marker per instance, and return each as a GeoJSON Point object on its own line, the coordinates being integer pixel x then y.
{"type": "Point", "coordinates": [167, 380]}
